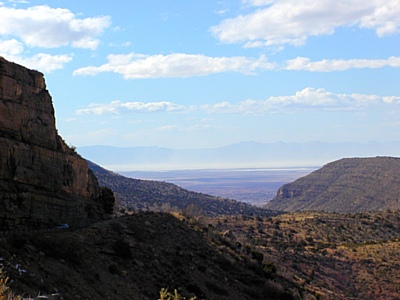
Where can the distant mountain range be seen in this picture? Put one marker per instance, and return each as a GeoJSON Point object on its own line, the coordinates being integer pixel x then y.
{"type": "Point", "coordinates": [240, 155]}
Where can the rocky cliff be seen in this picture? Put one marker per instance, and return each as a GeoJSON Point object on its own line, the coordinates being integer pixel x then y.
{"type": "Point", "coordinates": [348, 185]}
{"type": "Point", "coordinates": [42, 181]}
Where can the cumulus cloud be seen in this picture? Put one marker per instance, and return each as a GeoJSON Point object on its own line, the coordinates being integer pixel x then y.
{"type": "Point", "coordinates": [117, 107]}
{"type": "Point", "coordinates": [181, 65]}
{"type": "Point", "coordinates": [134, 66]}
{"type": "Point", "coordinates": [44, 62]}
{"type": "Point", "coordinates": [291, 22]}
{"type": "Point", "coordinates": [11, 47]}
{"type": "Point", "coordinates": [43, 26]}
{"type": "Point", "coordinates": [13, 50]}
{"type": "Point", "coordinates": [329, 65]}
{"type": "Point", "coordinates": [306, 99]}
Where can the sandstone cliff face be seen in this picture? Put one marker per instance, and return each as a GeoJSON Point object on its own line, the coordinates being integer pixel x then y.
{"type": "Point", "coordinates": [42, 181]}
{"type": "Point", "coordinates": [348, 185]}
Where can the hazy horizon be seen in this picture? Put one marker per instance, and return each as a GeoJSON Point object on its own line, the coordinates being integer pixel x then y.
{"type": "Point", "coordinates": [187, 74]}
{"type": "Point", "coordinates": [246, 155]}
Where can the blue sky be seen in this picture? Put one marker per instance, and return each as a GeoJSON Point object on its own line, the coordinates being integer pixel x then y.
{"type": "Point", "coordinates": [201, 74]}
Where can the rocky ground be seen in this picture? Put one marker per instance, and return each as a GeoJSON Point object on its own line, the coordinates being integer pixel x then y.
{"type": "Point", "coordinates": [134, 257]}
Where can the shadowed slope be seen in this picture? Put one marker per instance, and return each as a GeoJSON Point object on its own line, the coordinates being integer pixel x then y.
{"type": "Point", "coordinates": [154, 195]}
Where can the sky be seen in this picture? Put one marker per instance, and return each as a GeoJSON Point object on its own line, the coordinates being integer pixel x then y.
{"type": "Point", "coordinates": [205, 74]}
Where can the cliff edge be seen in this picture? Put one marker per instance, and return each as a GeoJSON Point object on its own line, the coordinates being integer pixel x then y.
{"type": "Point", "coordinates": [43, 182]}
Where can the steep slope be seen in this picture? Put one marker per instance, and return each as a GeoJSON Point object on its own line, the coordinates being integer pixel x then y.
{"type": "Point", "coordinates": [133, 258]}
{"type": "Point", "coordinates": [42, 181]}
{"type": "Point", "coordinates": [347, 185]}
{"type": "Point", "coordinates": [136, 194]}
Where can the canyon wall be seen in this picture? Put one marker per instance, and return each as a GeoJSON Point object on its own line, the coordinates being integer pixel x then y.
{"type": "Point", "coordinates": [43, 182]}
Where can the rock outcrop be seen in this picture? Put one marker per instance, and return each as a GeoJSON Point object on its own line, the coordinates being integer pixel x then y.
{"type": "Point", "coordinates": [348, 185]}
{"type": "Point", "coordinates": [43, 182]}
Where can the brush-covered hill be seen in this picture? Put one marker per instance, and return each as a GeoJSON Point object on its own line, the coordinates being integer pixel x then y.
{"type": "Point", "coordinates": [144, 195]}
{"type": "Point", "coordinates": [330, 255]}
{"type": "Point", "coordinates": [134, 257]}
{"type": "Point", "coordinates": [348, 185]}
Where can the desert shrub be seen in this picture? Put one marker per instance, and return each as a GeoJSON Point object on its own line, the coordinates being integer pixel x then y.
{"type": "Point", "coordinates": [113, 269]}
{"type": "Point", "coordinates": [107, 200]}
{"type": "Point", "coordinates": [137, 232]}
{"type": "Point", "coordinates": [5, 292]}
{"type": "Point", "coordinates": [122, 249]}
{"type": "Point", "coordinates": [269, 268]}
{"type": "Point", "coordinates": [193, 211]}
{"type": "Point", "coordinates": [117, 227]}
{"type": "Point", "coordinates": [216, 289]}
{"type": "Point", "coordinates": [165, 295]}
{"type": "Point", "coordinates": [258, 256]}
{"type": "Point", "coordinates": [60, 247]}
{"type": "Point", "coordinates": [228, 243]}
{"type": "Point", "coordinates": [17, 241]}
{"type": "Point", "coordinates": [195, 289]}
{"type": "Point", "coordinates": [268, 290]}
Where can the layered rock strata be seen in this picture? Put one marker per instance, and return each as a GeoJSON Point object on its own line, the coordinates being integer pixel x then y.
{"type": "Point", "coordinates": [43, 182]}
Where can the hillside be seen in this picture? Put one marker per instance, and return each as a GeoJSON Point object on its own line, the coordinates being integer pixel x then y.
{"type": "Point", "coordinates": [303, 255]}
{"type": "Point", "coordinates": [329, 255]}
{"type": "Point", "coordinates": [347, 185]}
{"type": "Point", "coordinates": [134, 257]}
{"type": "Point", "coordinates": [143, 195]}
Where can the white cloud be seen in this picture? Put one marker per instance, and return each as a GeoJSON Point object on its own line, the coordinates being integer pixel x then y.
{"type": "Point", "coordinates": [134, 66]}
{"type": "Point", "coordinates": [117, 107]}
{"type": "Point", "coordinates": [18, 1]}
{"type": "Point", "coordinates": [293, 21]}
{"type": "Point", "coordinates": [12, 50]}
{"type": "Point", "coordinates": [306, 99]}
{"type": "Point", "coordinates": [11, 47]}
{"type": "Point", "coordinates": [258, 2]}
{"type": "Point", "coordinates": [167, 128]}
{"type": "Point", "coordinates": [43, 26]}
{"type": "Point", "coordinates": [44, 62]}
{"type": "Point", "coordinates": [140, 66]}
{"type": "Point", "coordinates": [329, 65]}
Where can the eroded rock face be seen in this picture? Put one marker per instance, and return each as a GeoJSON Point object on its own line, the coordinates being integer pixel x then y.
{"type": "Point", "coordinates": [42, 181]}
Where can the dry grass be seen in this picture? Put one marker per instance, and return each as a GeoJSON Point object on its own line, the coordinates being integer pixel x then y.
{"type": "Point", "coordinates": [335, 256]}
{"type": "Point", "coordinates": [5, 292]}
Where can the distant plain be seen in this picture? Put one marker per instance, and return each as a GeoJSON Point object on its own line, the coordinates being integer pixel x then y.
{"type": "Point", "coordinates": [253, 186]}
